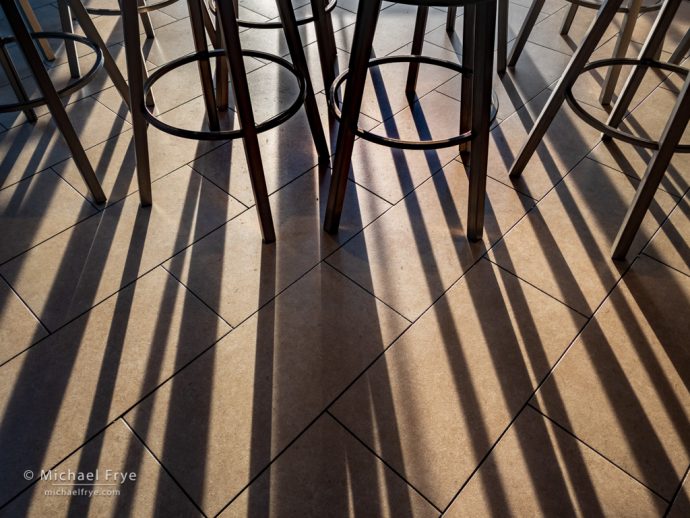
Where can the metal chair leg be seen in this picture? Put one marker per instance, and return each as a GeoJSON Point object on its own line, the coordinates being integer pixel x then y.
{"type": "Point", "coordinates": [682, 50]}
{"type": "Point", "coordinates": [222, 72]}
{"type": "Point", "coordinates": [670, 138]}
{"type": "Point", "coordinates": [568, 20]}
{"type": "Point", "coordinates": [622, 44]}
{"type": "Point", "coordinates": [299, 60]}
{"type": "Point", "coordinates": [92, 33]}
{"type": "Point", "coordinates": [135, 72]}
{"type": "Point", "coordinates": [482, 77]}
{"type": "Point", "coordinates": [146, 21]}
{"type": "Point", "coordinates": [70, 47]}
{"type": "Point", "coordinates": [577, 62]}
{"type": "Point", "coordinates": [468, 25]}
{"type": "Point", "coordinates": [231, 33]}
{"type": "Point", "coordinates": [417, 46]}
{"type": "Point", "coordinates": [204, 64]}
{"type": "Point", "coordinates": [450, 20]}
{"type": "Point", "coordinates": [362, 43]}
{"type": "Point", "coordinates": [525, 31]}
{"type": "Point", "coordinates": [325, 39]}
{"type": "Point", "coordinates": [35, 25]}
{"type": "Point", "coordinates": [15, 81]}
{"type": "Point", "coordinates": [502, 42]}
{"type": "Point", "coordinates": [55, 106]}
{"type": "Point", "coordinates": [654, 41]}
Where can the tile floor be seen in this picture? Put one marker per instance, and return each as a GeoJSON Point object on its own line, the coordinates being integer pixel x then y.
{"type": "Point", "coordinates": [395, 369]}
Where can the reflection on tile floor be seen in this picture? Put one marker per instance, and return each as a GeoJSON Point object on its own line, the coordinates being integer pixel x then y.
{"type": "Point", "coordinates": [395, 369]}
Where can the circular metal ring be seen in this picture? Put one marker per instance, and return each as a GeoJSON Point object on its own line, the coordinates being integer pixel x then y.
{"type": "Point", "coordinates": [104, 11]}
{"type": "Point", "coordinates": [279, 25]}
{"type": "Point", "coordinates": [610, 131]}
{"type": "Point", "coordinates": [266, 125]}
{"type": "Point", "coordinates": [70, 88]}
{"type": "Point", "coordinates": [597, 5]}
{"type": "Point", "coordinates": [407, 144]}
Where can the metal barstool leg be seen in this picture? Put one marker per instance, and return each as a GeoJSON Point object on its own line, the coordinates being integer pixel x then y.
{"type": "Point", "coordinates": [135, 72]}
{"type": "Point", "coordinates": [243, 106]}
{"type": "Point", "coordinates": [468, 24]}
{"type": "Point", "coordinates": [482, 76]}
{"type": "Point", "coordinates": [417, 46]}
{"type": "Point", "coordinates": [35, 25]}
{"type": "Point", "coordinates": [92, 34]}
{"type": "Point", "coordinates": [362, 44]}
{"type": "Point", "coordinates": [502, 42]}
{"type": "Point", "coordinates": [70, 48]}
{"type": "Point", "coordinates": [53, 102]}
{"type": "Point", "coordinates": [682, 50]}
{"type": "Point", "coordinates": [525, 31]}
{"type": "Point", "coordinates": [568, 20]}
{"type": "Point", "coordinates": [146, 21]}
{"type": "Point", "coordinates": [15, 81]}
{"type": "Point", "coordinates": [299, 60]}
{"type": "Point", "coordinates": [450, 20]}
{"type": "Point", "coordinates": [325, 39]}
{"type": "Point", "coordinates": [204, 64]}
{"type": "Point", "coordinates": [622, 44]}
{"type": "Point", "coordinates": [577, 62]}
{"type": "Point", "coordinates": [670, 138]}
{"type": "Point", "coordinates": [222, 72]}
{"type": "Point", "coordinates": [654, 41]}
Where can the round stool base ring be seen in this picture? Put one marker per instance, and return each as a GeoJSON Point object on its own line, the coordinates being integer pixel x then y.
{"type": "Point", "coordinates": [266, 125]}
{"type": "Point", "coordinates": [407, 144]}
{"type": "Point", "coordinates": [70, 88]}
{"type": "Point", "coordinates": [279, 25]}
{"type": "Point", "coordinates": [610, 131]}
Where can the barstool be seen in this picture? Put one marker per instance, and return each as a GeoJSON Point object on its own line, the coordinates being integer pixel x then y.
{"type": "Point", "coordinates": [669, 142]}
{"type": "Point", "coordinates": [230, 36]}
{"type": "Point", "coordinates": [632, 12]}
{"type": "Point", "coordinates": [477, 111]}
{"type": "Point", "coordinates": [51, 97]}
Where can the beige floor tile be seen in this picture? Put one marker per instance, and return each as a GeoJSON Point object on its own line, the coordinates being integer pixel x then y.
{"type": "Point", "coordinates": [623, 387]}
{"type": "Point", "coordinates": [221, 420]}
{"type": "Point", "coordinates": [434, 404]}
{"type": "Point", "coordinates": [36, 209]}
{"type": "Point", "coordinates": [538, 68]}
{"type": "Point", "coordinates": [537, 469]}
{"type": "Point", "coordinates": [252, 273]}
{"type": "Point", "coordinates": [394, 173]}
{"type": "Point", "coordinates": [327, 472]}
{"type": "Point", "coordinates": [18, 327]}
{"type": "Point", "coordinates": [547, 33]}
{"type": "Point", "coordinates": [671, 244]}
{"type": "Point", "coordinates": [68, 387]}
{"type": "Point", "coordinates": [554, 157]}
{"type": "Point", "coordinates": [564, 245]}
{"type": "Point", "coordinates": [20, 146]}
{"type": "Point", "coordinates": [681, 505]}
{"type": "Point", "coordinates": [647, 120]}
{"type": "Point", "coordinates": [550, 6]}
{"type": "Point", "coordinates": [680, 25]}
{"type": "Point", "coordinates": [68, 274]}
{"type": "Point", "coordinates": [151, 493]}
{"type": "Point", "coordinates": [413, 253]}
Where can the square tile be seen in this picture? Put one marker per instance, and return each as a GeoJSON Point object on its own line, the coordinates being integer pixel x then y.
{"type": "Point", "coordinates": [564, 245]}
{"type": "Point", "coordinates": [68, 387]}
{"type": "Point", "coordinates": [681, 504]}
{"type": "Point", "coordinates": [18, 327]}
{"type": "Point", "coordinates": [671, 245]}
{"type": "Point", "coordinates": [623, 386]}
{"type": "Point", "coordinates": [419, 248]}
{"type": "Point", "coordinates": [71, 272]}
{"type": "Point", "coordinates": [221, 421]}
{"type": "Point", "coordinates": [36, 209]}
{"type": "Point", "coordinates": [116, 450]}
{"type": "Point", "coordinates": [327, 472]}
{"type": "Point", "coordinates": [434, 404]}
{"type": "Point", "coordinates": [537, 469]}
{"type": "Point", "coordinates": [252, 272]}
